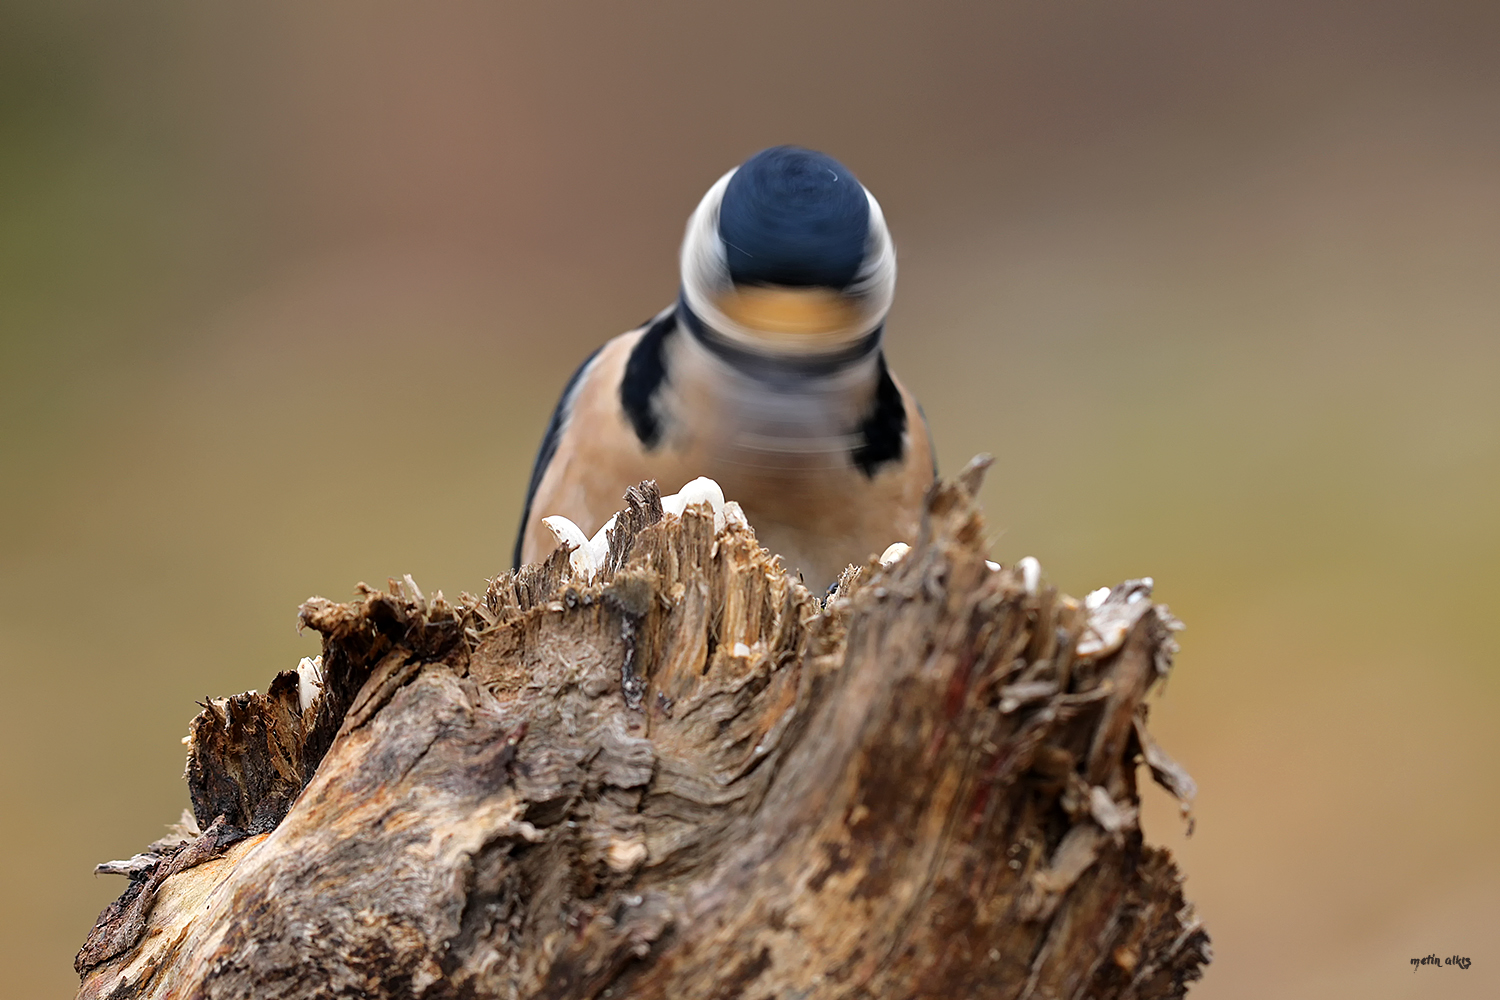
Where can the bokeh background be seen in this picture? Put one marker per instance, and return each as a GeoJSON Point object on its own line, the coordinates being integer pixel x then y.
{"type": "Point", "coordinates": [287, 291]}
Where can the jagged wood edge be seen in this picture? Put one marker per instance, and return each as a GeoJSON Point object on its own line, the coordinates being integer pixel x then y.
{"type": "Point", "coordinates": [372, 647]}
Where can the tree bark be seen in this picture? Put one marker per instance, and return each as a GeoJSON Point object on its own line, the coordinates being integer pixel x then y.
{"type": "Point", "coordinates": [687, 779]}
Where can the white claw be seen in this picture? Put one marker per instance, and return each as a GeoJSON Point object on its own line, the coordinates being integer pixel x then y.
{"type": "Point", "coordinates": [599, 544]}
{"type": "Point", "coordinates": [1031, 573]}
{"type": "Point", "coordinates": [1095, 598]}
{"type": "Point", "coordinates": [894, 553]}
{"type": "Point", "coordinates": [589, 555]}
{"type": "Point", "coordinates": [565, 531]}
{"type": "Point", "coordinates": [994, 567]}
{"type": "Point", "coordinates": [700, 490]}
{"type": "Point", "coordinates": [703, 490]}
{"type": "Point", "coordinates": [309, 680]}
{"type": "Point", "coordinates": [582, 557]}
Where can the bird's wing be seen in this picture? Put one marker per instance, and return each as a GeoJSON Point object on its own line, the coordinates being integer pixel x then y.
{"type": "Point", "coordinates": [549, 448]}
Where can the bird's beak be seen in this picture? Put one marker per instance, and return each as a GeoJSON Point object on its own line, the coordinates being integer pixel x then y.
{"type": "Point", "coordinates": [780, 311]}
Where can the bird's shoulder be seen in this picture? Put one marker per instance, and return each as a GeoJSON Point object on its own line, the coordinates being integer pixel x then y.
{"type": "Point", "coordinates": [588, 410]}
{"type": "Point", "coordinates": [608, 385]}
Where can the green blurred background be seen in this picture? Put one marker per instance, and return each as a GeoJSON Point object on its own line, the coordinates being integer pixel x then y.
{"type": "Point", "coordinates": [287, 292]}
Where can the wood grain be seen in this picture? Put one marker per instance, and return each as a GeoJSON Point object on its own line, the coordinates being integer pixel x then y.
{"type": "Point", "coordinates": [689, 778]}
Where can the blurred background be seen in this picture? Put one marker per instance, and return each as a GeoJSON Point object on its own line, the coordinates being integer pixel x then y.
{"type": "Point", "coordinates": [287, 292]}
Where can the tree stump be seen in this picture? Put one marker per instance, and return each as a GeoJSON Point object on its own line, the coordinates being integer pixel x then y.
{"type": "Point", "coordinates": [688, 778]}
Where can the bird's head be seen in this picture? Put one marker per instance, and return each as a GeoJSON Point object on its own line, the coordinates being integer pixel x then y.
{"type": "Point", "coordinates": [788, 254]}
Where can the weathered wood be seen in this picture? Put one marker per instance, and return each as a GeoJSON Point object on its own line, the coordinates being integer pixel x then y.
{"type": "Point", "coordinates": [687, 779]}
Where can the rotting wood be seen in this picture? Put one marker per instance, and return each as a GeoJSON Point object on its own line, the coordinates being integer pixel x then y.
{"type": "Point", "coordinates": [686, 779]}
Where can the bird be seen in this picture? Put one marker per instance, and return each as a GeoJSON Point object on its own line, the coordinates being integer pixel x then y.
{"type": "Point", "coordinates": [767, 375]}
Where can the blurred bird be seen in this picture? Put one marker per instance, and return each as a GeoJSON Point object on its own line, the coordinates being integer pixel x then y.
{"type": "Point", "coordinates": [766, 375]}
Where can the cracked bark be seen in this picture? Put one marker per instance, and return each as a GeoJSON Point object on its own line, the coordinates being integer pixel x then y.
{"type": "Point", "coordinates": [689, 778]}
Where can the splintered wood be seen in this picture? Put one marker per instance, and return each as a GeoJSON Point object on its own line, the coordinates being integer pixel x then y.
{"type": "Point", "coordinates": [686, 779]}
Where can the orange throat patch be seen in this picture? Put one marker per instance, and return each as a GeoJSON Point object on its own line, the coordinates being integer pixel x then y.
{"type": "Point", "coordinates": [788, 313]}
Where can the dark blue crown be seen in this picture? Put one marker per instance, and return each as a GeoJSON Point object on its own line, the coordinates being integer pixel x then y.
{"type": "Point", "coordinates": [791, 216]}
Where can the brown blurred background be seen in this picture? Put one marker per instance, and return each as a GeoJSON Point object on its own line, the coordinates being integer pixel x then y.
{"type": "Point", "coordinates": [287, 292]}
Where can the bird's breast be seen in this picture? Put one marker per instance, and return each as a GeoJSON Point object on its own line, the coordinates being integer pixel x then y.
{"type": "Point", "coordinates": [780, 447]}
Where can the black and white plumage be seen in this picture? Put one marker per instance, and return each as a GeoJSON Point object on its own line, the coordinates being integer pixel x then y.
{"type": "Point", "coordinates": [766, 375]}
